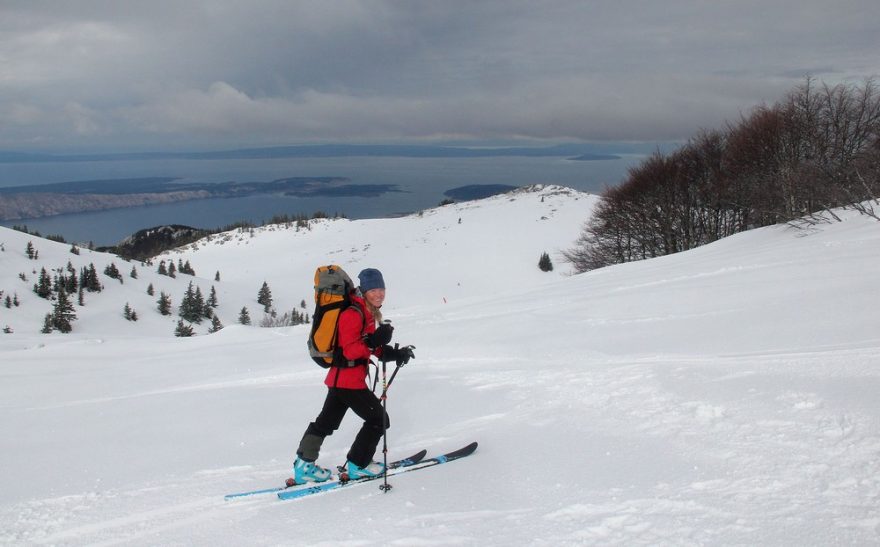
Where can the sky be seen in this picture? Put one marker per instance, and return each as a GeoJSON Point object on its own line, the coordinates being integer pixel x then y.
{"type": "Point", "coordinates": [108, 74]}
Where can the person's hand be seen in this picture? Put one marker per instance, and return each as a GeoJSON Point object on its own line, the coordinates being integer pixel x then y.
{"type": "Point", "coordinates": [401, 355]}
{"type": "Point", "coordinates": [380, 337]}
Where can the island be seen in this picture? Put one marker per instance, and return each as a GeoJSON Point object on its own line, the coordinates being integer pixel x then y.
{"type": "Point", "coordinates": [26, 202]}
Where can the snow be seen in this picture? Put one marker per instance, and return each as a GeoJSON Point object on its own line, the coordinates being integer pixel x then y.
{"type": "Point", "coordinates": [725, 395]}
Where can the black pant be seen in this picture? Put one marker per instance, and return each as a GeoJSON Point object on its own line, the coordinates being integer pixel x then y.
{"type": "Point", "coordinates": [365, 404]}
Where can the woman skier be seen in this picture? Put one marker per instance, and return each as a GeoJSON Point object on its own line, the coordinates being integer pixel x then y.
{"type": "Point", "coordinates": [359, 338]}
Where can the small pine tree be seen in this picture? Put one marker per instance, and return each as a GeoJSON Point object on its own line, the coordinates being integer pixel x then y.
{"type": "Point", "coordinates": [89, 279]}
{"type": "Point", "coordinates": [129, 313]}
{"type": "Point", "coordinates": [217, 276]}
{"type": "Point", "coordinates": [74, 249]}
{"type": "Point", "coordinates": [212, 298]}
{"type": "Point", "coordinates": [63, 313]}
{"type": "Point", "coordinates": [150, 290]}
{"type": "Point", "coordinates": [192, 306]}
{"type": "Point", "coordinates": [172, 270]}
{"type": "Point", "coordinates": [8, 302]}
{"type": "Point", "coordinates": [199, 303]}
{"type": "Point", "coordinates": [29, 250]}
{"type": "Point", "coordinates": [47, 324]}
{"type": "Point", "coordinates": [7, 329]}
{"type": "Point", "coordinates": [72, 284]}
{"type": "Point", "coordinates": [244, 317]}
{"type": "Point", "coordinates": [112, 271]}
{"type": "Point", "coordinates": [164, 304]}
{"type": "Point", "coordinates": [264, 297]}
{"type": "Point", "coordinates": [183, 330]}
{"type": "Point", "coordinates": [81, 300]}
{"type": "Point", "coordinates": [162, 270]}
{"type": "Point", "coordinates": [134, 273]}
{"type": "Point", "coordinates": [43, 287]}
{"type": "Point", "coordinates": [545, 264]}
{"type": "Point", "coordinates": [216, 325]}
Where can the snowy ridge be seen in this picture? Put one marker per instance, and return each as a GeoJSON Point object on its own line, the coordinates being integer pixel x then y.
{"type": "Point", "coordinates": [723, 396]}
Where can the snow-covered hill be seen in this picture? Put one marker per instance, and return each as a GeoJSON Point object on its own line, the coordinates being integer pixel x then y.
{"type": "Point", "coordinates": [727, 395]}
{"type": "Point", "coordinates": [420, 256]}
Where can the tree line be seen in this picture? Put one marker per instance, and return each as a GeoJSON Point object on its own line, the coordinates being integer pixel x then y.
{"type": "Point", "coordinates": [816, 149]}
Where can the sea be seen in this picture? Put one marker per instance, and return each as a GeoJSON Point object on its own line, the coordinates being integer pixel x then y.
{"type": "Point", "coordinates": [421, 183]}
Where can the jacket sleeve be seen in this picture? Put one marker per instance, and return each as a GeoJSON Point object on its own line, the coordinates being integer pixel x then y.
{"type": "Point", "coordinates": [350, 326]}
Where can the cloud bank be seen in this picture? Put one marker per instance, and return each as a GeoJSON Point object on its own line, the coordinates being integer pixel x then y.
{"type": "Point", "coordinates": [216, 73]}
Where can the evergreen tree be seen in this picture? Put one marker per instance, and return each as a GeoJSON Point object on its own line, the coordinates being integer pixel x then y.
{"type": "Point", "coordinates": [134, 273]}
{"type": "Point", "coordinates": [216, 325]}
{"type": "Point", "coordinates": [244, 317]}
{"type": "Point", "coordinates": [29, 250]}
{"type": "Point", "coordinates": [164, 304]}
{"type": "Point", "coordinates": [15, 301]}
{"type": "Point", "coordinates": [171, 270]}
{"type": "Point", "coordinates": [199, 304]}
{"type": "Point", "coordinates": [8, 302]}
{"type": "Point", "coordinates": [74, 249]}
{"type": "Point", "coordinates": [183, 330]}
{"type": "Point", "coordinates": [185, 267]}
{"type": "Point", "coordinates": [89, 279]}
{"type": "Point", "coordinates": [217, 276]}
{"type": "Point", "coordinates": [162, 269]}
{"type": "Point", "coordinates": [63, 313]}
{"type": "Point", "coordinates": [81, 296]}
{"type": "Point", "coordinates": [47, 324]}
{"type": "Point", "coordinates": [545, 264]}
{"type": "Point", "coordinates": [212, 298]}
{"type": "Point", "coordinates": [112, 271]}
{"type": "Point", "coordinates": [72, 284]}
{"type": "Point", "coordinates": [264, 297]}
{"type": "Point", "coordinates": [192, 306]}
{"type": "Point", "coordinates": [7, 329]}
{"type": "Point", "coordinates": [129, 313]}
{"type": "Point", "coordinates": [43, 287]}
{"type": "Point", "coordinates": [150, 290]}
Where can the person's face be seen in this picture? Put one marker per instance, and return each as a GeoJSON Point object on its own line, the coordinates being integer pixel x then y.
{"type": "Point", "coordinates": [375, 297]}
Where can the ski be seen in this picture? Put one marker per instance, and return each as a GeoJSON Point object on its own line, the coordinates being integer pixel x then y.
{"type": "Point", "coordinates": [411, 460]}
{"type": "Point", "coordinates": [336, 484]}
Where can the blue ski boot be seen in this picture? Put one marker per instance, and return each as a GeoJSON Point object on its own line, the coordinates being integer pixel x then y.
{"type": "Point", "coordinates": [373, 469]}
{"type": "Point", "coordinates": [304, 472]}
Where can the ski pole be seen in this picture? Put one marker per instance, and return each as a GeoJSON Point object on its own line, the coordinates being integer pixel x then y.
{"type": "Point", "coordinates": [385, 487]}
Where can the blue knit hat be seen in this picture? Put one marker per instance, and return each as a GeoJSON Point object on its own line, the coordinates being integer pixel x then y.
{"type": "Point", "coordinates": [371, 278]}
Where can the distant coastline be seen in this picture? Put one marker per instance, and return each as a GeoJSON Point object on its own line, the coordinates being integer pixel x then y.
{"type": "Point", "coordinates": [412, 184]}
{"type": "Point", "coordinates": [37, 201]}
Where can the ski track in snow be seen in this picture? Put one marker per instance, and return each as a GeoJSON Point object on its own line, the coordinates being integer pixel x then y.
{"type": "Point", "coordinates": [792, 454]}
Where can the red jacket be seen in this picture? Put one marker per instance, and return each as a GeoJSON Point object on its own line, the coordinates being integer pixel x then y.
{"type": "Point", "coordinates": [351, 329]}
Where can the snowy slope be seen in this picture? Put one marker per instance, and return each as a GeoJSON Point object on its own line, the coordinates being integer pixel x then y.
{"type": "Point", "coordinates": [722, 396]}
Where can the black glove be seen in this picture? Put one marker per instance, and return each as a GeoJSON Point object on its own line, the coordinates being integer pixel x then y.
{"type": "Point", "coordinates": [401, 355]}
{"type": "Point", "coordinates": [380, 337]}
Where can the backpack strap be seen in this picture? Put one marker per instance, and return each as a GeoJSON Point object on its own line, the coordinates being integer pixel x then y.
{"type": "Point", "coordinates": [348, 363]}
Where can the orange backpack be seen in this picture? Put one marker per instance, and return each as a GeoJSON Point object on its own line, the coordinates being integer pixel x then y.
{"type": "Point", "coordinates": [333, 288]}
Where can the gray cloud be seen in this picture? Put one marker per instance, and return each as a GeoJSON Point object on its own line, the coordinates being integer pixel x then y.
{"type": "Point", "coordinates": [211, 73]}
